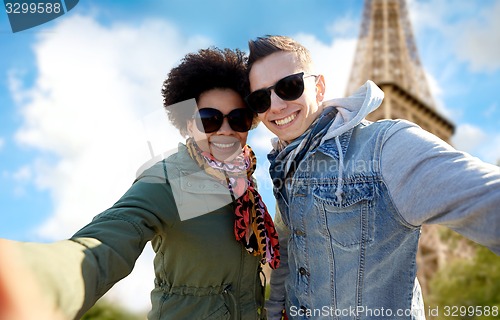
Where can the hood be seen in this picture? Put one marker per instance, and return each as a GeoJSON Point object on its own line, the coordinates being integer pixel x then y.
{"type": "Point", "coordinates": [353, 109]}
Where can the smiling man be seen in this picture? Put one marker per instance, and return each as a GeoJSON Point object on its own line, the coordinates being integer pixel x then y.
{"type": "Point", "coordinates": [352, 194]}
{"type": "Point", "coordinates": [286, 120]}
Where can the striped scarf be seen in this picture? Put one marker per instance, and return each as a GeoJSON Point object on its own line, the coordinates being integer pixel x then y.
{"type": "Point", "coordinates": [253, 226]}
{"type": "Point", "coordinates": [285, 158]}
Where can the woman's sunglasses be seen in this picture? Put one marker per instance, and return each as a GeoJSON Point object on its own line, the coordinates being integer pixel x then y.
{"type": "Point", "coordinates": [289, 88]}
{"type": "Point", "coordinates": [210, 120]}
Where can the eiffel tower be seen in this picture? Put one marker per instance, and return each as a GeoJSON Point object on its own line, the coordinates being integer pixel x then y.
{"type": "Point", "coordinates": [386, 54]}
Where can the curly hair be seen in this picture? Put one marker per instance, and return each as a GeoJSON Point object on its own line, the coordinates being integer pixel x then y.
{"type": "Point", "coordinates": [199, 72]}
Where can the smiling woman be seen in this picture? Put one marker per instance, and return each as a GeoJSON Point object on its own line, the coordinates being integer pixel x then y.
{"type": "Point", "coordinates": [221, 124]}
{"type": "Point", "coordinates": [199, 208]}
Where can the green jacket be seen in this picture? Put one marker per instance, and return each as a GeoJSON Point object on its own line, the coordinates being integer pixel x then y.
{"type": "Point", "coordinates": [201, 271]}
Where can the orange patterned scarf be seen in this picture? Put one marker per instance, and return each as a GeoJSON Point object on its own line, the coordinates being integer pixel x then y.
{"type": "Point", "coordinates": [253, 225]}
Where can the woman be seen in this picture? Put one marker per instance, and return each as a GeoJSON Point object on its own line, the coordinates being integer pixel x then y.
{"type": "Point", "coordinates": [199, 208]}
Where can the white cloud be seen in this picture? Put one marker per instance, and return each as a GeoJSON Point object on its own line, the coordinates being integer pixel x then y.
{"type": "Point", "coordinates": [333, 60]}
{"type": "Point", "coordinates": [345, 26]}
{"type": "Point", "coordinates": [21, 177]}
{"type": "Point", "coordinates": [23, 174]}
{"type": "Point", "coordinates": [97, 88]}
{"type": "Point", "coordinates": [469, 31]}
{"type": "Point", "coordinates": [437, 95]}
{"type": "Point", "coordinates": [478, 142]}
{"type": "Point", "coordinates": [2, 143]}
{"type": "Point", "coordinates": [479, 40]}
{"type": "Point", "coordinates": [468, 138]}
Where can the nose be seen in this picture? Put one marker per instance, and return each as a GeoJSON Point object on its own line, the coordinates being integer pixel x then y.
{"type": "Point", "coordinates": [277, 104]}
{"type": "Point", "coordinates": [225, 129]}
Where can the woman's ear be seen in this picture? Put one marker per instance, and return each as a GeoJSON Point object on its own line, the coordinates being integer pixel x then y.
{"type": "Point", "coordinates": [189, 127]}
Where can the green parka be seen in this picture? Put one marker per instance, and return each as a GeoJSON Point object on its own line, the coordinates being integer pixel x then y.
{"type": "Point", "coordinates": [201, 271]}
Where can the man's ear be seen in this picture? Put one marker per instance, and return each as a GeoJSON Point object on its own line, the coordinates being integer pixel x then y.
{"type": "Point", "coordinates": [320, 88]}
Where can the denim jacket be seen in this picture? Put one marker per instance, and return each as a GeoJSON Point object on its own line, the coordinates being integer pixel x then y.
{"type": "Point", "coordinates": [352, 255]}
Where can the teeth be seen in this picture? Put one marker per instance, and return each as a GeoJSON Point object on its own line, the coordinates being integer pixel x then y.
{"type": "Point", "coordinates": [223, 145]}
{"type": "Point", "coordinates": [286, 120]}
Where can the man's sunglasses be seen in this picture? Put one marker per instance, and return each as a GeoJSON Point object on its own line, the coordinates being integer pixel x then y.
{"type": "Point", "coordinates": [210, 120]}
{"type": "Point", "coordinates": [289, 88]}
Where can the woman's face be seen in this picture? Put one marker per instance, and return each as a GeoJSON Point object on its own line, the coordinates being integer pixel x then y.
{"type": "Point", "coordinates": [225, 143]}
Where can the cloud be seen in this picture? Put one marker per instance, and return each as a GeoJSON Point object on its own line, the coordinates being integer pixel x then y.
{"type": "Point", "coordinates": [345, 26]}
{"type": "Point", "coordinates": [468, 137]}
{"type": "Point", "coordinates": [23, 174]}
{"type": "Point", "coordinates": [2, 143]}
{"type": "Point", "coordinates": [465, 30]}
{"type": "Point", "coordinates": [476, 141]}
{"type": "Point", "coordinates": [479, 40]}
{"type": "Point", "coordinates": [96, 92]}
{"type": "Point", "coordinates": [333, 60]}
{"type": "Point", "coordinates": [91, 100]}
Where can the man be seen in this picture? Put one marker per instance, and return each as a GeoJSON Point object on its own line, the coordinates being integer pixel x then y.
{"type": "Point", "coordinates": [352, 195]}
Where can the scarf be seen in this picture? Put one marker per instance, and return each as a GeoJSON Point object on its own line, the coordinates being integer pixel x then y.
{"type": "Point", "coordinates": [253, 226]}
{"type": "Point", "coordinates": [285, 158]}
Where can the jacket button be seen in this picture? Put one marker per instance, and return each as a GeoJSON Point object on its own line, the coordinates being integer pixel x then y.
{"type": "Point", "coordinates": [303, 271]}
{"type": "Point", "coordinates": [300, 233]}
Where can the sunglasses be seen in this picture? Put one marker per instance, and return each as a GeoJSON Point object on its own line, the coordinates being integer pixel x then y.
{"type": "Point", "coordinates": [289, 88]}
{"type": "Point", "coordinates": [210, 120]}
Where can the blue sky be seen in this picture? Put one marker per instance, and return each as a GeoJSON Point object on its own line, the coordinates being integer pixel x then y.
{"type": "Point", "coordinates": [80, 95]}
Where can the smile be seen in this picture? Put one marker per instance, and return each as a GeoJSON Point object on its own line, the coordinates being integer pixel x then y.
{"type": "Point", "coordinates": [223, 145]}
{"type": "Point", "coordinates": [287, 120]}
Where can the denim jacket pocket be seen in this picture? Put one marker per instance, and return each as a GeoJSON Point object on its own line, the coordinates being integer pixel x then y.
{"type": "Point", "coordinates": [351, 221]}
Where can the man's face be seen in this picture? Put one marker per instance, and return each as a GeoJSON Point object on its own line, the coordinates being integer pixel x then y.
{"type": "Point", "coordinates": [287, 119]}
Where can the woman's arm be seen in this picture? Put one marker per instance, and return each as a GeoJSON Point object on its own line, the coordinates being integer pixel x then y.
{"type": "Point", "coordinates": [21, 295]}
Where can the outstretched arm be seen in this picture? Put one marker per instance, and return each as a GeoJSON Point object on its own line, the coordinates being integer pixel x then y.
{"type": "Point", "coordinates": [432, 183]}
{"type": "Point", "coordinates": [21, 295]}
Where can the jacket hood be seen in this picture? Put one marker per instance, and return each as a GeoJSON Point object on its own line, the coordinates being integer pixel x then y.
{"type": "Point", "coordinates": [353, 109]}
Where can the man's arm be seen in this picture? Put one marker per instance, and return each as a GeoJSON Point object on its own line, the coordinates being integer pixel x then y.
{"type": "Point", "coordinates": [431, 182]}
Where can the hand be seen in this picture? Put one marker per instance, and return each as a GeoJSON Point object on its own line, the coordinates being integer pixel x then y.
{"type": "Point", "coordinates": [21, 297]}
